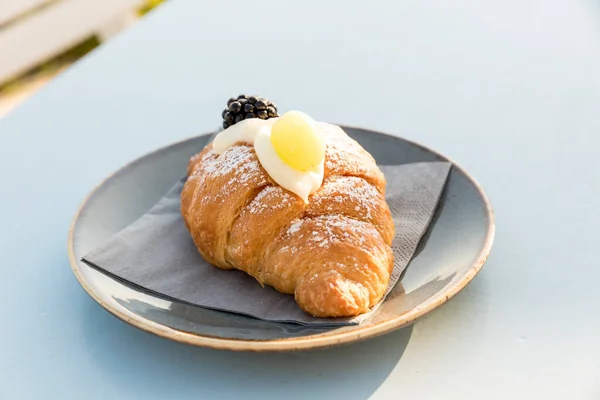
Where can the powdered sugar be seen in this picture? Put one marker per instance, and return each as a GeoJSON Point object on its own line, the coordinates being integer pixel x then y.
{"type": "Point", "coordinates": [295, 227]}
{"type": "Point", "coordinates": [330, 229]}
{"type": "Point", "coordinates": [327, 223]}
{"type": "Point", "coordinates": [198, 160]}
{"type": "Point", "coordinates": [351, 190]}
{"type": "Point", "coordinates": [239, 163]}
{"type": "Point", "coordinates": [259, 205]}
{"type": "Point", "coordinates": [339, 147]}
{"type": "Point", "coordinates": [236, 157]}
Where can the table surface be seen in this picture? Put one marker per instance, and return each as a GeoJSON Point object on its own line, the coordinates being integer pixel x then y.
{"type": "Point", "coordinates": [510, 90]}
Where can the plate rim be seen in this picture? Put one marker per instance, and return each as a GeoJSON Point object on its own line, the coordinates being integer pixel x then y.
{"type": "Point", "coordinates": [295, 343]}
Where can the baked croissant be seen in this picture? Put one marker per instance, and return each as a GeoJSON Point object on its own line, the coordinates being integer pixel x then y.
{"type": "Point", "coordinates": [332, 252]}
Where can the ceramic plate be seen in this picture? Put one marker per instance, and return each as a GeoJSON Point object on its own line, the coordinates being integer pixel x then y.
{"type": "Point", "coordinates": [450, 255]}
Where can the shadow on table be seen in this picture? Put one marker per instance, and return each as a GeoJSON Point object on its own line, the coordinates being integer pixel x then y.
{"type": "Point", "coordinates": [143, 364]}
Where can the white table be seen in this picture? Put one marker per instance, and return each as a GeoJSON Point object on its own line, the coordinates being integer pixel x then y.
{"type": "Point", "coordinates": [509, 89]}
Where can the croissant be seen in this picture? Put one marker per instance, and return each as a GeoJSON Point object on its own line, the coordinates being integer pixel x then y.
{"type": "Point", "coordinates": [332, 253]}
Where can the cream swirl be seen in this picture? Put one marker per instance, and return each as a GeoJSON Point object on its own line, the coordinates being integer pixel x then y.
{"type": "Point", "coordinates": [257, 132]}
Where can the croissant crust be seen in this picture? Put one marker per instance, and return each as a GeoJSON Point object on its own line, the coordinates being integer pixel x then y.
{"type": "Point", "coordinates": [333, 253]}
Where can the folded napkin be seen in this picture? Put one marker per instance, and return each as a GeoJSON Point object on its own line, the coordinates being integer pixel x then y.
{"type": "Point", "coordinates": [156, 253]}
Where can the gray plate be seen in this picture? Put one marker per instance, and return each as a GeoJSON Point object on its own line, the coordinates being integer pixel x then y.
{"type": "Point", "coordinates": [452, 252]}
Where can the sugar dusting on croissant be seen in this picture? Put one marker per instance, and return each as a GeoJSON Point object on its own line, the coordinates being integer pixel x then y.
{"type": "Point", "coordinates": [332, 252]}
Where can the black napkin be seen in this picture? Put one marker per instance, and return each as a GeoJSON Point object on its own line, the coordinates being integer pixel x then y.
{"type": "Point", "coordinates": [156, 253]}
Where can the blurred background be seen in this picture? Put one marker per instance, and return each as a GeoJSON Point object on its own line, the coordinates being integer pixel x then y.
{"type": "Point", "coordinates": [72, 28]}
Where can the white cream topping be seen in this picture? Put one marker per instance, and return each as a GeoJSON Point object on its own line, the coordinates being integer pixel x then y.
{"type": "Point", "coordinates": [244, 131]}
{"type": "Point", "coordinates": [257, 132]}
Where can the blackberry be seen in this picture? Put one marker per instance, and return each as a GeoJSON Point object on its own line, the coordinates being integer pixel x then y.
{"type": "Point", "coordinates": [245, 107]}
{"type": "Point", "coordinates": [262, 114]}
